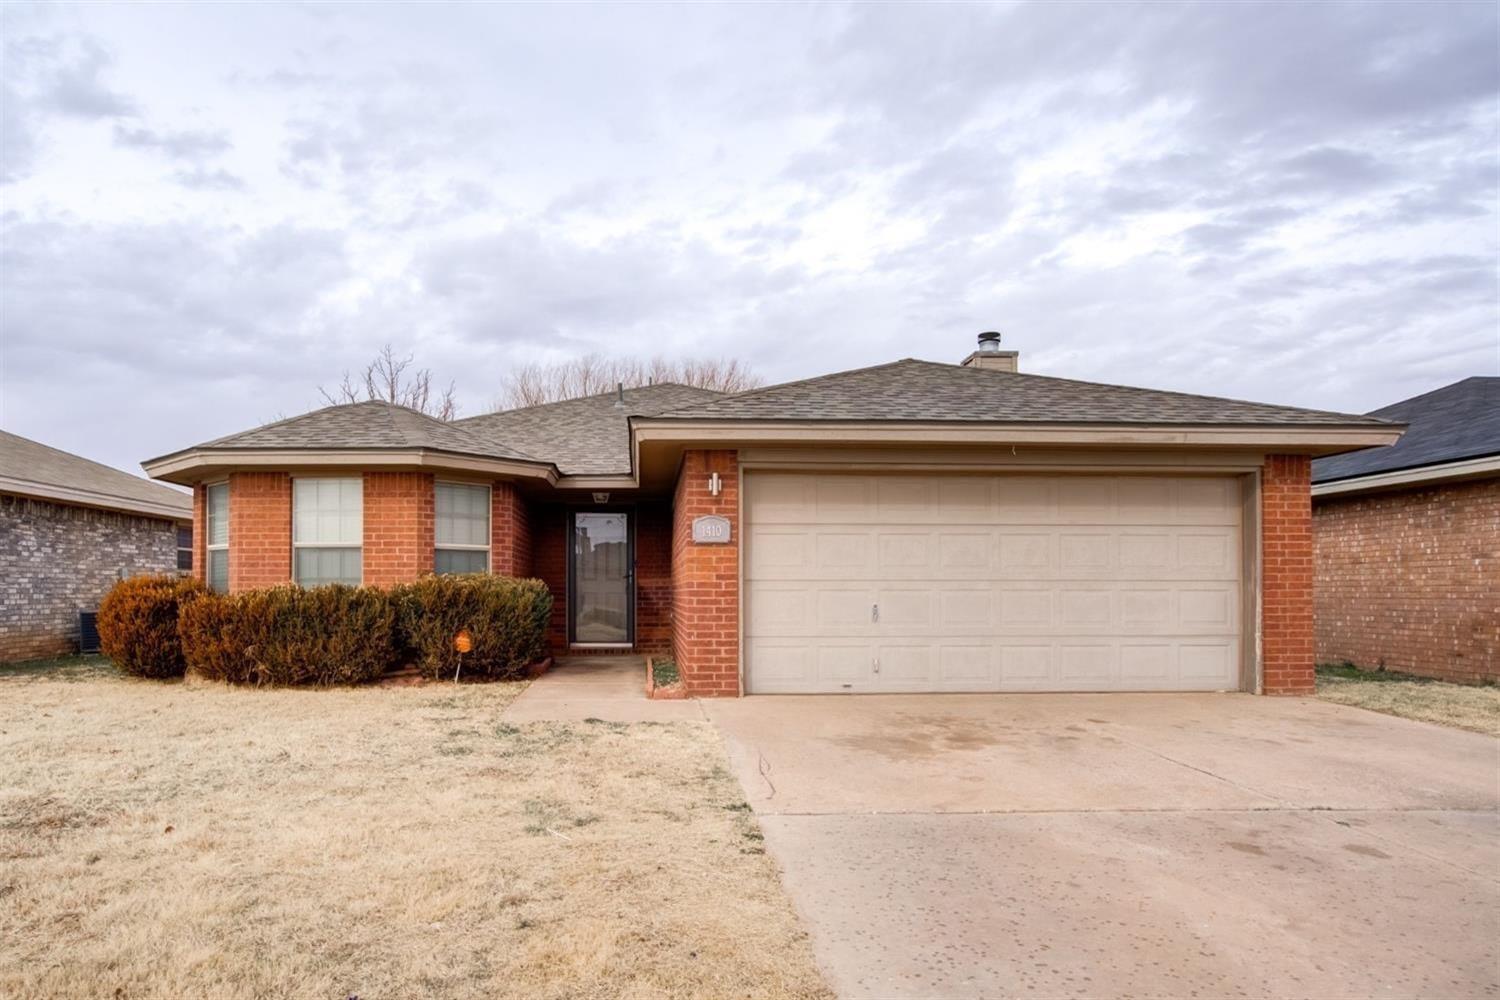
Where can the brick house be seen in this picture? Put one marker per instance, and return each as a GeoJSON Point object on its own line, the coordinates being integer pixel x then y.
{"type": "Point", "coordinates": [1407, 541]}
{"type": "Point", "coordinates": [69, 528]}
{"type": "Point", "coordinates": [908, 527]}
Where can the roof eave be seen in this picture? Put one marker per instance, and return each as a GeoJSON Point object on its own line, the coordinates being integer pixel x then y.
{"type": "Point", "coordinates": [89, 498]}
{"type": "Point", "coordinates": [1444, 472]}
{"type": "Point", "coordinates": [1310, 439]}
{"type": "Point", "coordinates": [194, 465]}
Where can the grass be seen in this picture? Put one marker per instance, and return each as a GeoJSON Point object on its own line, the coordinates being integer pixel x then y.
{"type": "Point", "coordinates": [664, 671]}
{"type": "Point", "coordinates": [1461, 706]}
{"type": "Point", "coordinates": [187, 839]}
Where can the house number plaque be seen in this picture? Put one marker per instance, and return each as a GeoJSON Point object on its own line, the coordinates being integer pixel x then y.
{"type": "Point", "coordinates": [711, 529]}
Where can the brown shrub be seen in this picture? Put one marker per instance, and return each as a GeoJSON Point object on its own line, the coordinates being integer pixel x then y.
{"type": "Point", "coordinates": [290, 635]}
{"type": "Point", "coordinates": [138, 624]}
{"type": "Point", "coordinates": [505, 617]}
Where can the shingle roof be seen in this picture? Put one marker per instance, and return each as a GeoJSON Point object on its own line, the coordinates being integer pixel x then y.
{"type": "Point", "coordinates": [585, 436]}
{"type": "Point", "coordinates": [374, 424]}
{"type": "Point", "coordinates": [31, 468]}
{"type": "Point", "coordinates": [1455, 422]}
{"type": "Point", "coordinates": [912, 390]}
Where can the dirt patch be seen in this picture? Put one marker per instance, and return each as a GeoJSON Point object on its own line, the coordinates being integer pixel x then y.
{"type": "Point", "coordinates": [1458, 705]}
{"type": "Point", "coordinates": [195, 840]}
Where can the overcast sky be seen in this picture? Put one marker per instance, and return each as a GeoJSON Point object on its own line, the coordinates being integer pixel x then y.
{"type": "Point", "coordinates": [209, 210]}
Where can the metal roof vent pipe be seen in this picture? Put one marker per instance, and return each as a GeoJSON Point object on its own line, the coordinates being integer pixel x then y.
{"type": "Point", "coordinates": [990, 355]}
{"type": "Point", "coordinates": [619, 395]}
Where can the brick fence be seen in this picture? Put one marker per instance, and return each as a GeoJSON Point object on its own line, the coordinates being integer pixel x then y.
{"type": "Point", "coordinates": [1410, 580]}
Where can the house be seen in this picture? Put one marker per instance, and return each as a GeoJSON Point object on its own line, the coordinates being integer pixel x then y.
{"type": "Point", "coordinates": [69, 528]}
{"type": "Point", "coordinates": [912, 526]}
{"type": "Point", "coordinates": [1407, 541]}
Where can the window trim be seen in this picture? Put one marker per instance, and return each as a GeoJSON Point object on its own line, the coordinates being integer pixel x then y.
{"type": "Point", "coordinates": [489, 524]}
{"type": "Point", "coordinates": [208, 535]}
{"type": "Point", "coordinates": [360, 548]}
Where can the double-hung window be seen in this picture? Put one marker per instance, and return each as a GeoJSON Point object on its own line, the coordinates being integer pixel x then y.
{"type": "Point", "coordinates": [216, 536]}
{"type": "Point", "coordinates": [185, 548]}
{"type": "Point", "coordinates": [461, 529]}
{"type": "Point", "coordinates": [327, 531]}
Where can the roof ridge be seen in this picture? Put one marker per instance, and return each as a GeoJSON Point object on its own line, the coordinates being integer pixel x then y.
{"type": "Point", "coordinates": [735, 396]}
{"type": "Point", "coordinates": [592, 395]}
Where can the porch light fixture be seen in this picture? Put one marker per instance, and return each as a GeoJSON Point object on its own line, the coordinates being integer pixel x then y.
{"type": "Point", "coordinates": [601, 498]}
{"type": "Point", "coordinates": [714, 485]}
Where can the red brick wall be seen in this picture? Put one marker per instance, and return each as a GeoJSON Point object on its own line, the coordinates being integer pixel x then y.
{"type": "Point", "coordinates": [705, 578]}
{"type": "Point", "coordinates": [260, 529]}
{"type": "Point", "coordinates": [1286, 575]}
{"type": "Point", "coordinates": [398, 529]}
{"type": "Point", "coordinates": [1410, 580]}
{"type": "Point", "coordinates": [200, 533]}
{"type": "Point", "coordinates": [510, 532]}
{"type": "Point", "coordinates": [653, 578]}
{"type": "Point", "coordinates": [549, 563]}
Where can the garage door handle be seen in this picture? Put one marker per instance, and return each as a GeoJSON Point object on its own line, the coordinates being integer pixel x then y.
{"type": "Point", "coordinates": [874, 612]}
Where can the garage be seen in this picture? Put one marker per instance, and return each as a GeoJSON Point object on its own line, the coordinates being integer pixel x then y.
{"type": "Point", "coordinates": [991, 582]}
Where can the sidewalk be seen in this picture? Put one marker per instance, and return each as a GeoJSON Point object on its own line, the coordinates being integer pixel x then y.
{"type": "Point", "coordinates": [611, 688]}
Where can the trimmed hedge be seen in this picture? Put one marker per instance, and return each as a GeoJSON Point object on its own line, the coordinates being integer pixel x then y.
{"type": "Point", "coordinates": [505, 617]}
{"type": "Point", "coordinates": [138, 624]}
{"type": "Point", "coordinates": [291, 635]}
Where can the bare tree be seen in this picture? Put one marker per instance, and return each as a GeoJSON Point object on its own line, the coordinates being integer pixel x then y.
{"type": "Point", "coordinates": [591, 374]}
{"type": "Point", "coordinates": [388, 377]}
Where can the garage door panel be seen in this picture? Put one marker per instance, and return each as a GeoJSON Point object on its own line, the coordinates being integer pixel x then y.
{"type": "Point", "coordinates": [994, 582]}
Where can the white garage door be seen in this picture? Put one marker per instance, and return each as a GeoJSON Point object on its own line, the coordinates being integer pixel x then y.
{"type": "Point", "coordinates": [991, 583]}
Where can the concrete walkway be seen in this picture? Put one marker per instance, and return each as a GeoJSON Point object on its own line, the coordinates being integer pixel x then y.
{"type": "Point", "coordinates": [1127, 845]}
{"type": "Point", "coordinates": [611, 688]}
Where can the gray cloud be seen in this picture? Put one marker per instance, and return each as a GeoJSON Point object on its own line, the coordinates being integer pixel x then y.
{"type": "Point", "coordinates": [1289, 202]}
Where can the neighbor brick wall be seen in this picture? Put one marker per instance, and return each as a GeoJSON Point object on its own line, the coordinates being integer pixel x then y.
{"type": "Point", "coordinates": [1286, 575]}
{"type": "Point", "coordinates": [510, 532]}
{"type": "Point", "coordinates": [653, 578]}
{"type": "Point", "coordinates": [705, 578]}
{"type": "Point", "coordinates": [398, 527]}
{"type": "Point", "coordinates": [1410, 580]}
{"type": "Point", "coordinates": [57, 560]}
{"type": "Point", "coordinates": [260, 529]}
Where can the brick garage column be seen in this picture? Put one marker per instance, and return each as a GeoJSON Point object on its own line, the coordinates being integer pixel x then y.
{"type": "Point", "coordinates": [260, 529]}
{"type": "Point", "coordinates": [706, 578]}
{"type": "Point", "coordinates": [398, 533]}
{"type": "Point", "coordinates": [1286, 575]}
{"type": "Point", "coordinates": [510, 531]}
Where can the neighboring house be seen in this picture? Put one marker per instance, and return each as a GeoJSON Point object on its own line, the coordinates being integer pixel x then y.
{"type": "Point", "coordinates": [1408, 541]}
{"type": "Point", "coordinates": [69, 528]}
{"type": "Point", "coordinates": [908, 527]}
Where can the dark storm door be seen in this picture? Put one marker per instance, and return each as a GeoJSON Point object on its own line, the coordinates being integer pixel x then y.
{"type": "Point", "coordinates": [601, 580]}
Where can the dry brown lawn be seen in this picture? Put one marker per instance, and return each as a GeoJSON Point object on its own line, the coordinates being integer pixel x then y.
{"type": "Point", "coordinates": [1461, 706]}
{"type": "Point", "coordinates": [185, 839]}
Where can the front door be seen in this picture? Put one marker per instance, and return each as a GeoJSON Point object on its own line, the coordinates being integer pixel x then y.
{"type": "Point", "coordinates": [601, 578]}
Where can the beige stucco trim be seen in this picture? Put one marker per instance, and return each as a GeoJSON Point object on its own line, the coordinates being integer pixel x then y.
{"type": "Point", "coordinates": [1000, 459]}
{"type": "Point", "coordinates": [1298, 440]}
{"type": "Point", "coordinates": [104, 501]}
{"type": "Point", "coordinates": [1469, 468]}
{"type": "Point", "coordinates": [196, 464]}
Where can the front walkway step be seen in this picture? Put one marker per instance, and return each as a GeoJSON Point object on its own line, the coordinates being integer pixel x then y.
{"type": "Point", "coordinates": [611, 688]}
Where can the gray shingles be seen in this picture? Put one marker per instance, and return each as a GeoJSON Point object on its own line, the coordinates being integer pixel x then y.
{"type": "Point", "coordinates": [587, 436]}
{"type": "Point", "coordinates": [31, 462]}
{"type": "Point", "coordinates": [1455, 422]}
{"type": "Point", "coordinates": [373, 424]}
{"type": "Point", "coordinates": [913, 390]}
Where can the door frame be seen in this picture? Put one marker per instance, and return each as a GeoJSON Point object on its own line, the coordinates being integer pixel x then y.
{"type": "Point", "coordinates": [572, 589]}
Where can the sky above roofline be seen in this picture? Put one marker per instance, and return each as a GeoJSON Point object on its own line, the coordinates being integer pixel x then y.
{"type": "Point", "coordinates": [209, 210]}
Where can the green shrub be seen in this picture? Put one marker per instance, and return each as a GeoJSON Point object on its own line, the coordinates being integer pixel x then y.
{"type": "Point", "coordinates": [138, 624]}
{"type": "Point", "coordinates": [291, 635]}
{"type": "Point", "coordinates": [505, 617]}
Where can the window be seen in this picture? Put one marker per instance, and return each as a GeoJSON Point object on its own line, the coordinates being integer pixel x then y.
{"type": "Point", "coordinates": [327, 531]}
{"type": "Point", "coordinates": [185, 548]}
{"type": "Point", "coordinates": [216, 535]}
{"type": "Point", "coordinates": [462, 529]}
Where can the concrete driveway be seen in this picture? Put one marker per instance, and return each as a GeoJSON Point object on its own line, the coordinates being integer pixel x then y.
{"type": "Point", "coordinates": [1140, 845]}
